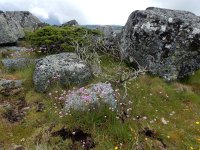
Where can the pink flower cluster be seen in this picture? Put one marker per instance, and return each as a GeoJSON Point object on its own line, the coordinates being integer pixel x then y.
{"type": "Point", "coordinates": [93, 94]}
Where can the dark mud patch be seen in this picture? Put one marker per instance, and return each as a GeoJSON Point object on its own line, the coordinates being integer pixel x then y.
{"type": "Point", "coordinates": [40, 107]}
{"type": "Point", "coordinates": [78, 137]}
{"type": "Point", "coordinates": [153, 136]}
{"type": "Point", "coordinates": [15, 112]}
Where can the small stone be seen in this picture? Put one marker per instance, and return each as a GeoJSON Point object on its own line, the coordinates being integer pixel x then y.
{"type": "Point", "coordinates": [17, 147]}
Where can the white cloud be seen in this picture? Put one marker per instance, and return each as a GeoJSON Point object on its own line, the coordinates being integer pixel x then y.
{"type": "Point", "coordinates": [56, 10]}
{"type": "Point", "coordinates": [93, 11]}
{"type": "Point", "coordinates": [40, 12]}
{"type": "Point", "coordinates": [187, 5]}
{"type": "Point", "coordinates": [110, 11]}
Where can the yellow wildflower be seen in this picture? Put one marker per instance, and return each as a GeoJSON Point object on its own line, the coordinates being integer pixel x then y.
{"type": "Point", "coordinates": [197, 122]}
{"type": "Point", "coordinates": [116, 148]}
{"type": "Point", "coordinates": [168, 136]}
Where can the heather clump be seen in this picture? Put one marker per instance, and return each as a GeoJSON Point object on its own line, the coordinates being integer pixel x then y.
{"type": "Point", "coordinates": [90, 96]}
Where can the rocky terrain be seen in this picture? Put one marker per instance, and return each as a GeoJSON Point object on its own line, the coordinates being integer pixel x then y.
{"type": "Point", "coordinates": [91, 87]}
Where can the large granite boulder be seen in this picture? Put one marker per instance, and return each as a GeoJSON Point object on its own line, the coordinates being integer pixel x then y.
{"type": "Point", "coordinates": [10, 29]}
{"type": "Point", "coordinates": [165, 41]}
{"type": "Point", "coordinates": [13, 23]}
{"type": "Point", "coordinates": [90, 97]}
{"type": "Point", "coordinates": [27, 20]}
{"type": "Point", "coordinates": [67, 68]}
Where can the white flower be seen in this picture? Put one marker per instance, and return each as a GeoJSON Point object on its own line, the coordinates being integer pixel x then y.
{"type": "Point", "coordinates": [164, 121]}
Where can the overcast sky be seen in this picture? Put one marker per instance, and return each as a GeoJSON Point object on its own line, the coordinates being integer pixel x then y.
{"type": "Point", "coordinates": [93, 11]}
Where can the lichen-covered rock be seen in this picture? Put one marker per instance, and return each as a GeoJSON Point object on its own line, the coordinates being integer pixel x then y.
{"type": "Point", "coordinates": [91, 96]}
{"type": "Point", "coordinates": [17, 63]}
{"type": "Point", "coordinates": [165, 41]}
{"type": "Point", "coordinates": [66, 68]}
{"type": "Point", "coordinates": [6, 86]}
{"type": "Point", "coordinates": [10, 29]}
{"type": "Point", "coordinates": [27, 20]}
{"type": "Point", "coordinates": [13, 23]}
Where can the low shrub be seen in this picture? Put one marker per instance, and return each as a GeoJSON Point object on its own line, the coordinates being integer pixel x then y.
{"type": "Point", "coordinates": [53, 39]}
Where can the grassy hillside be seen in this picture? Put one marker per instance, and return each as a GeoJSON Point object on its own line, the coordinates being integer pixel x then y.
{"type": "Point", "coordinates": [151, 114]}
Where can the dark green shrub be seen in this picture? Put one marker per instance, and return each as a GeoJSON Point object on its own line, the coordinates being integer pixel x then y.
{"type": "Point", "coordinates": [53, 39]}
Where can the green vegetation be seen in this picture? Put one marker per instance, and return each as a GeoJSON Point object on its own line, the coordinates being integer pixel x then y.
{"type": "Point", "coordinates": [153, 114]}
{"type": "Point", "coordinates": [152, 102]}
{"type": "Point", "coordinates": [58, 39]}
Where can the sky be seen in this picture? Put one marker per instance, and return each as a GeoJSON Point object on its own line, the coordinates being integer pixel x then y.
{"type": "Point", "coordinates": [102, 12]}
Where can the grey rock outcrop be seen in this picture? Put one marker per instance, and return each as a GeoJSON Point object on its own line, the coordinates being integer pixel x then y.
{"type": "Point", "coordinates": [6, 85]}
{"type": "Point", "coordinates": [165, 41]}
{"type": "Point", "coordinates": [17, 63]}
{"type": "Point", "coordinates": [71, 23]}
{"type": "Point", "coordinates": [65, 68]}
{"type": "Point", "coordinates": [10, 30]}
{"type": "Point", "coordinates": [13, 23]}
{"type": "Point", "coordinates": [90, 97]}
{"type": "Point", "coordinates": [27, 20]}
